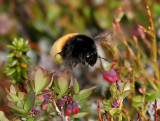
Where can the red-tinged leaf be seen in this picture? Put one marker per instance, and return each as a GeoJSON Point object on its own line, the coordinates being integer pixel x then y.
{"type": "Point", "coordinates": [63, 84]}
{"type": "Point", "coordinates": [16, 109]}
{"type": "Point", "coordinates": [66, 75]}
{"type": "Point", "coordinates": [14, 97]}
{"type": "Point", "coordinates": [12, 89]}
{"type": "Point", "coordinates": [38, 80]}
{"type": "Point", "coordinates": [76, 86]}
{"type": "Point", "coordinates": [22, 95]}
{"type": "Point", "coordinates": [3, 117]}
{"type": "Point", "coordinates": [79, 115]}
{"type": "Point", "coordinates": [10, 98]}
{"type": "Point", "coordinates": [119, 14]}
{"type": "Point", "coordinates": [29, 103]}
{"type": "Point", "coordinates": [86, 92]}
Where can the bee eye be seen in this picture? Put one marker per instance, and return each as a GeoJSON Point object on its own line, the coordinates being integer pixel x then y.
{"type": "Point", "coordinates": [88, 55]}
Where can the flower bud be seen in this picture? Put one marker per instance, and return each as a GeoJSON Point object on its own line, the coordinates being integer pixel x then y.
{"type": "Point", "coordinates": [43, 97]}
{"type": "Point", "coordinates": [75, 108]}
{"type": "Point", "coordinates": [37, 112]}
{"type": "Point", "coordinates": [61, 102]}
{"type": "Point", "coordinates": [142, 90]}
{"type": "Point", "coordinates": [69, 110]}
{"type": "Point", "coordinates": [115, 104]}
{"type": "Point", "coordinates": [111, 76]}
{"type": "Point", "coordinates": [45, 104]}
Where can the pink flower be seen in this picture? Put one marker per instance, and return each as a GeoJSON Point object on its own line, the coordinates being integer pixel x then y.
{"type": "Point", "coordinates": [111, 76]}
{"type": "Point", "coordinates": [69, 110]}
{"type": "Point", "coordinates": [61, 102]}
{"type": "Point", "coordinates": [75, 108]}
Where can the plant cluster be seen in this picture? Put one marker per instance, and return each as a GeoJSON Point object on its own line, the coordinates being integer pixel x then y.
{"type": "Point", "coordinates": [47, 93]}
{"type": "Point", "coordinates": [17, 67]}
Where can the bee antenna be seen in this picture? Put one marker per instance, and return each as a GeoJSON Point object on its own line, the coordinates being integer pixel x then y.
{"type": "Point", "coordinates": [104, 59]}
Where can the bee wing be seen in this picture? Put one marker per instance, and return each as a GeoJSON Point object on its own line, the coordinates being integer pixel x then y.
{"type": "Point", "coordinates": [106, 37]}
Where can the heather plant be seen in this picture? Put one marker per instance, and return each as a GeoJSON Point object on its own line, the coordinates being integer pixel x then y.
{"type": "Point", "coordinates": [129, 79]}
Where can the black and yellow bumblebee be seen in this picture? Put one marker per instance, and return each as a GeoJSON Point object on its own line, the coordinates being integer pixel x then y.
{"type": "Point", "coordinates": [75, 48]}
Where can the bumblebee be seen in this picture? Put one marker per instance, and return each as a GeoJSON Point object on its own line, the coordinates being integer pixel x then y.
{"type": "Point", "coordinates": [74, 48]}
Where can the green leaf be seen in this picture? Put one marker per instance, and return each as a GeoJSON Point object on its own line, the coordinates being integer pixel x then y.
{"type": "Point", "coordinates": [63, 84]}
{"type": "Point", "coordinates": [30, 119]}
{"type": "Point", "coordinates": [16, 109]}
{"type": "Point", "coordinates": [55, 80]}
{"type": "Point", "coordinates": [107, 105]}
{"type": "Point", "coordinates": [18, 69]}
{"type": "Point", "coordinates": [124, 94]}
{"type": "Point", "coordinates": [24, 59]}
{"type": "Point", "coordinates": [22, 95]}
{"type": "Point", "coordinates": [38, 80]}
{"type": "Point", "coordinates": [3, 117]}
{"type": "Point", "coordinates": [14, 97]}
{"type": "Point", "coordinates": [10, 55]}
{"type": "Point", "coordinates": [56, 90]}
{"type": "Point", "coordinates": [26, 42]}
{"type": "Point", "coordinates": [11, 71]}
{"type": "Point", "coordinates": [137, 101]}
{"type": "Point", "coordinates": [113, 111]}
{"type": "Point", "coordinates": [76, 97]}
{"type": "Point", "coordinates": [76, 86]}
{"type": "Point", "coordinates": [152, 96]}
{"type": "Point", "coordinates": [45, 82]}
{"type": "Point", "coordinates": [86, 92]}
{"type": "Point", "coordinates": [20, 104]}
{"type": "Point", "coordinates": [14, 62]}
{"type": "Point", "coordinates": [29, 103]}
{"type": "Point", "coordinates": [11, 47]}
{"type": "Point", "coordinates": [79, 115]}
{"type": "Point", "coordinates": [113, 90]}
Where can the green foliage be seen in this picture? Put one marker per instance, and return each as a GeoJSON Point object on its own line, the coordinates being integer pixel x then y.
{"type": "Point", "coordinates": [2, 116]}
{"type": "Point", "coordinates": [17, 67]}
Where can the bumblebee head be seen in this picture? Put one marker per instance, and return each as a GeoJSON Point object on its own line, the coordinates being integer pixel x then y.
{"type": "Point", "coordinates": [90, 57]}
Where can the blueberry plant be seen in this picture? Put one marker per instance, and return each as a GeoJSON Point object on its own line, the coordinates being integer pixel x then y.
{"type": "Point", "coordinates": [46, 93]}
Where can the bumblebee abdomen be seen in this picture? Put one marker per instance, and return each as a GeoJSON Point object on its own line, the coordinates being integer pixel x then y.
{"type": "Point", "coordinates": [58, 47]}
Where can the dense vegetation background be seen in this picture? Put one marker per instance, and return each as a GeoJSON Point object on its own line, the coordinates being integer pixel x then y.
{"type": "Point", "coordinates": [42, 22]}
